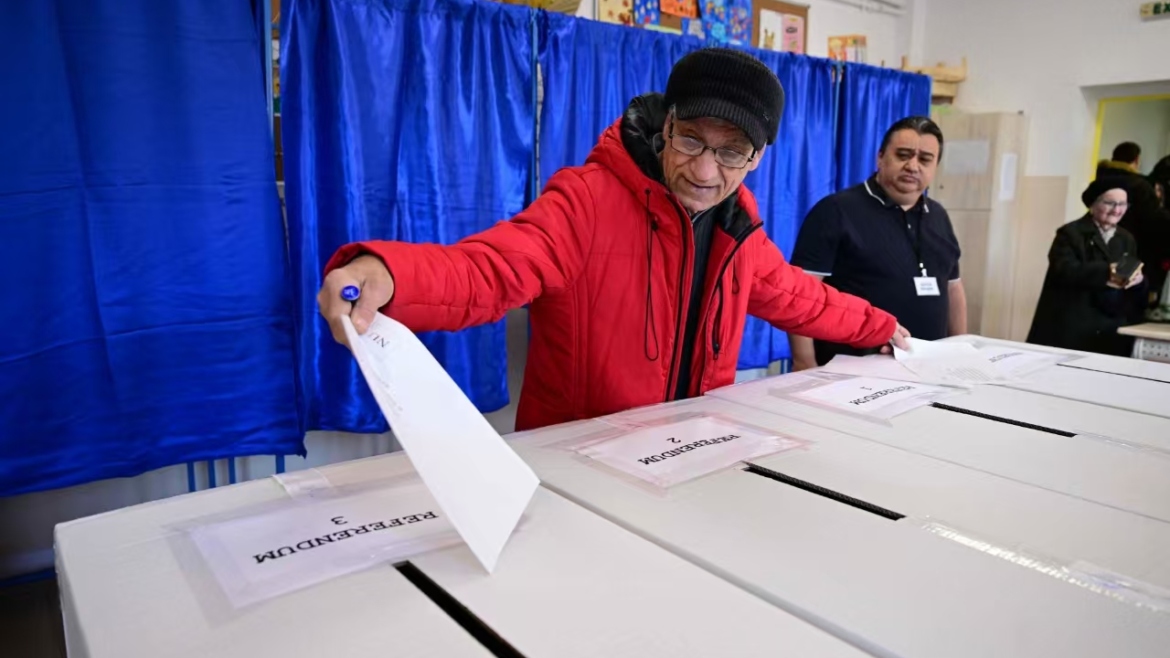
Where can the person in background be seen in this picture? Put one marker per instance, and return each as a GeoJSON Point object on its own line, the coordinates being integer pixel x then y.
{"type": "Point", "coordinates": [640, 266]}
{"type": "Point", "coordinates": [887, 243]}
{"type": "Point", "coordinates": [1154, 242]}
{"type": "Point", "coordinates": [1160, 180]}
{"type": "Point", "coordinates": [1082, 302]}
{"type": "Point", "coordinates": [1127, 159]}
{"type": "Point", "coordinates": [1146, 220]}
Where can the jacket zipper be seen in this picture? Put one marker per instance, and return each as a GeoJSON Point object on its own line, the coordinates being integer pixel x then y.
{"type": "Point", "coordinates": [715, 345]}
{"type": "Point", "coordinates": [687, 261]}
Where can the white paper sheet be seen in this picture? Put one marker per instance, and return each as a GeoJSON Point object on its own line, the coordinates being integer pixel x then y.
{"type": "Point", "coordinates": [946, 362]}
{"type": "Point", "coordinates": [311, 540]}
{"type": "Point", "coordinates": [870, 396]}
{"type": "Point", "coordinates": [968, 157]}
{"type": "Point", "coordinates": [1014, 363]}
{"type": "Point", "coordinates": [482, 485]}
{"type": "Point", "coordinates": [667, 455]}
{"type": "Point", "coordinates": [880, 366]}
{"type": "Point", "coordinates": [1007, 176]}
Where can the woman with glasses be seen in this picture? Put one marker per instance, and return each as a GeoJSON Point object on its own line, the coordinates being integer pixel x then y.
{"type": "Point", "coordinates": [1092, 269]}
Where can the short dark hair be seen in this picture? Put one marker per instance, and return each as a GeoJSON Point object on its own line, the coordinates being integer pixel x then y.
{"type": "Point", "coordinates": [920, 125]}
{"type": "Point", "coordinates": [1127, 152]}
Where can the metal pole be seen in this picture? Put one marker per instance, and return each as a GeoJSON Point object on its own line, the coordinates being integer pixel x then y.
{"type": "Point", "coordinates": [266, 42]}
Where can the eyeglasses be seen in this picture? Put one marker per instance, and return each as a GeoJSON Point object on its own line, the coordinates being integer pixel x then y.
{"type": "Point", "coordinates": [726, 157]}
{"type": "Point", "coordinates": [1115, 205]}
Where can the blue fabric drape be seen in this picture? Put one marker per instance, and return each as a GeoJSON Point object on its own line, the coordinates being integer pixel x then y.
{"type": "Point", "coordinates": [145, 311]}
{"type": "Point", "coordinates": [795, 172]}
{"type": "Point", "coordinates": [872, 99]}
{"type": "Point", "coordinates": [590, 71]}
{"type": "Point", "coordinates": [404, 120]}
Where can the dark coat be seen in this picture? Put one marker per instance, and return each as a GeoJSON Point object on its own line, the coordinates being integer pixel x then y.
{"type": "Point", "coordinates": [1149, 224]}
{"type": "Point", "coordinates": [1077, 309]}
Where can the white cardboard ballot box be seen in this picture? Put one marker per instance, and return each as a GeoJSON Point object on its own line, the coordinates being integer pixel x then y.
{"type": "Point", "coordinates": [569, 583]}
{"type": "Point", "coordinates": [888, 586]}
{"type": "Point", "coordinates": [1132, 428]}
{"type": "Point", "coordinates": [1027, 519]}
{"type": "Point", "coordinates": [1102, 380]}
{"type": "Point", "coordinates": [1096, 470]}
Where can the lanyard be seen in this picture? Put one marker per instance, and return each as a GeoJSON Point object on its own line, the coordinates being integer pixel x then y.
{"type": "Point", "coordinates": [915, 241]}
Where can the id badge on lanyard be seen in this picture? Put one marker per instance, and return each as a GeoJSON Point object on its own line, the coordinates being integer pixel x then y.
{"type": "Point", "coordinates": [925, 285]}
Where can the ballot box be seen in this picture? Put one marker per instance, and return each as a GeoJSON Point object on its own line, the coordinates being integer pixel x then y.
{"type": "Point", "coordinates": [1069, 417]}
{"type": "Point", "coordinates": [1101, 380]}
{"type": "Point", "coordinates": [1088, 467]}
{"type": "Point", "coordinates": [569, 583]}
{"type": "Point", "coordinates": [944, 577]}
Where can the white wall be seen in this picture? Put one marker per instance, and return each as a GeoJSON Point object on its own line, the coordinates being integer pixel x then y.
{"type": "Point", "coordinates": [1052, 59]}
{"type": "Point", "coordinates": [887, 35]}
{"type": "Point", "coordinates": [1146, 123]}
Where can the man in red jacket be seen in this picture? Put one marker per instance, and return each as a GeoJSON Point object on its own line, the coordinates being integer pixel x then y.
{"type": "Point", "coordinates": [640, 266]}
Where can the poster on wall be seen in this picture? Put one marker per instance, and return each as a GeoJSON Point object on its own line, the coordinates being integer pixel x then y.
{"type": "Point", "coordinates": [779, 26]}
{"type": "Point", "coordinates": [646, 13]}
{"type": "Point", "coordinates": [682, 8]}
{"type": "Point", "coordinates": [848, 48]}
{"type": "Point", "coordinates": [620, 12]}
{"type": "Point", "coordinates": [781, 32]}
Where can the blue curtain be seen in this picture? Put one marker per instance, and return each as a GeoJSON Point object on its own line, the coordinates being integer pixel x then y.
{"type": "Point", "coordinates": [590, 71]}
{"type": "Point", "coordinates": [404, 120]}
{"type": "Point", "coordinates": [796, 172]}
{"type": "Point", "coordinates": [872, 99]}
{"type": "Point", "coordinates": [145, 309]}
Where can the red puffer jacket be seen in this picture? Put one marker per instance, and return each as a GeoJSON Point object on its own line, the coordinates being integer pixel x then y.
{"type": "Point", "coordinates": [605, 257]}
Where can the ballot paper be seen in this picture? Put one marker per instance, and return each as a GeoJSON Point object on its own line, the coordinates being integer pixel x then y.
{"type": "Point", "coordinates": [869, 396]}
{"type": "Point", "coordinates": [1013, 363]}
{"type": "Point", "coordinates": [307, 541]}
{"type": "Point", "coordinates": [880, 366]}
{"type": "Point", "coordinates": [946, 362]}
{"type": "Point", "coordinates": [476, 478]}
{"type": "Point", "coordinates": [671, 454]}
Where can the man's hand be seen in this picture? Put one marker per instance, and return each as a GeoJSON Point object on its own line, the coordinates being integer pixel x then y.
{"type": "Point", "coordinates": [898, 339]}
{"type": "Point", "coordinates": [375, 288]}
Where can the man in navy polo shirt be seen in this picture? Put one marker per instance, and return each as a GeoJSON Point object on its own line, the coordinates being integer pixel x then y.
{"type": "Point", "coordinates": [887, 243]}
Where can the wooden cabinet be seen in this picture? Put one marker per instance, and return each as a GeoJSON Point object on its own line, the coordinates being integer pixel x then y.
{"type": "Point", "coordinates": [979, 183]}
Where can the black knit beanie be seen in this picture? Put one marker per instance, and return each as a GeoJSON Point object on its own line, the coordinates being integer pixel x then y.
{"type": "Point", "coordinates": [731, 85]}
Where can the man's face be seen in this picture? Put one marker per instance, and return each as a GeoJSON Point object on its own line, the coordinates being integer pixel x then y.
{"type": "Point", "coordinates": [699, 181]}
{"type": "Point", "coordinates": [1110, 207]}
{"type": "Point", "coordinates": [907, 166]}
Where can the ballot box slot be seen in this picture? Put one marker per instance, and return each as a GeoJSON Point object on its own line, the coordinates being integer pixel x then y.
{"type": "Point", "coordinates": [1001, 419]}
{"type": "Point", "coordinates": [823, 492]}
{"type": "Point", "coordinates": [1117, 374]}
{"type": "Point", "coordinates": [459, 613]}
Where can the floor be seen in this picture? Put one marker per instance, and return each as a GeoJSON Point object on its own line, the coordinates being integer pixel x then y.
{"type": "Point", "coordinates": [30, 621]}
